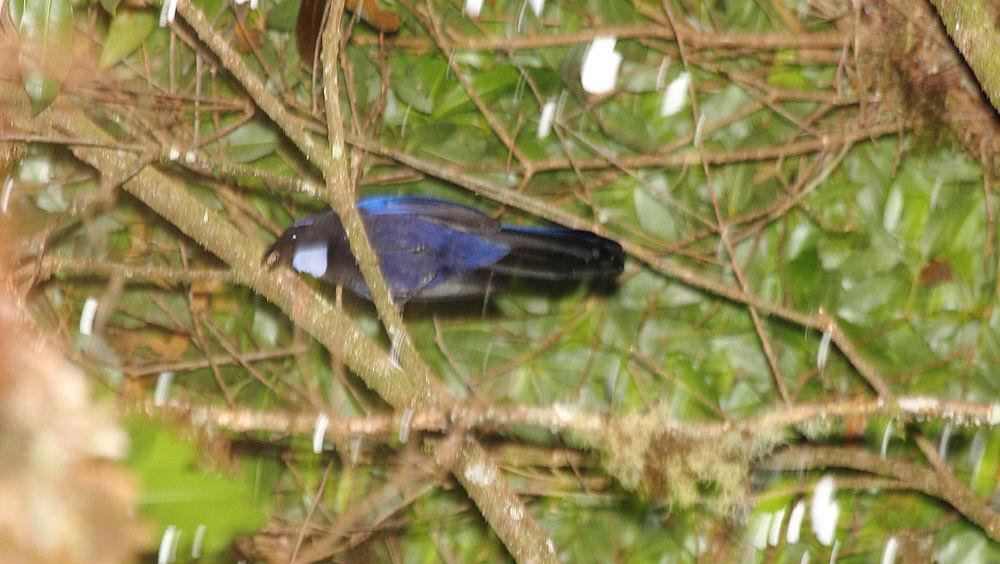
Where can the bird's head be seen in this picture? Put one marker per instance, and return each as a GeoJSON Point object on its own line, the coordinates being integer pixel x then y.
{"type": "Point", "coordinates": [304, 246]}
{"type": "Point", "coordinates": [280, 252]}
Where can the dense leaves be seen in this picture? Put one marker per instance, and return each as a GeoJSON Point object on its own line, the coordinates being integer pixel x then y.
{"type": "Point", "coordinates": [128, 30]}
{"type": "Point", "coordinates": [46, 48]}
{"type": "Point", "coordinates": [830, 203]}
{"type": "Point", "coordinates": [176, 492]}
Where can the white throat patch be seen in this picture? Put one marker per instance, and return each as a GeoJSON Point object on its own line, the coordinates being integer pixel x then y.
{"type": "Point", "coordinates": [311, 260]}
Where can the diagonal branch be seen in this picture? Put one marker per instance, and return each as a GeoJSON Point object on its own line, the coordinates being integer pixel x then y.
{"type": "Point", "coordinates": [340, 195]}
{"type": "Point", "coordinates": [329, 158]}
{"type": "Point", "coordinates": [915, 477]}
{"type": "Point", "coordinates": [168, 198]}
{"type": "Point", "coordinates": [820, 322]}
{"type": "Point", "coordinates": [974, 31]}
{"type": "Point", "coordinates": [506, 513]}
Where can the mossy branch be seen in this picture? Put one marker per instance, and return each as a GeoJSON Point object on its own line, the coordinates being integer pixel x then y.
{"type": "Point", "coordinates": [976, 33]}
{"type": "Point", "coordinates": [340, 195]}
{"type": "Point", "coordinates": [403, 389]}
{"type": "Point", "coordinates": [168, 198]}
{"type": "Point", "coordinates": [330, 158]}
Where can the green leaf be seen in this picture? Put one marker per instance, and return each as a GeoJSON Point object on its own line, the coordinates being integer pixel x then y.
{"type": "Point", "coordinates": [250, 141]}
{"type": "Point", "coordinates": [52, 199]}
{"type": "Point", "coordinates": [47, 27]}
{"type": "Point", "coordinates": [127, 32]}
{"type": "Point", "coordinates": [650, 207]}
{"type": "Point", "coordinates": [791, 78]}
{"type": "Point", "coordinates": [176, 491]}
{"type": "Point", "coordinates": [41, 90]}
{"type": "Point", "coordinates": [266, 326]}
{"type": "Point", "coordinates": [487, 85]}
{"type": "Point", "coordinates": [46, 31]}
{"type": "Point", "coordinates": [416, 80]}
{"type": "Point", "coordinates": [861, 302]}
{"type": "Point", "coordinates": [452, 143]}
{"type": "Point", "coordinates": [985, 478]}
{"type": "Point", "coordinates": [110, 6]}
{"type": "Point", "coordinates": [283, 16]}
{"type": "Point", "coordinates": [638, 78]}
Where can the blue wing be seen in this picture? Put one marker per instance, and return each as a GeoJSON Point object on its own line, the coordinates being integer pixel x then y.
{"type": "Point", "coordinates": [435, 249]}
{"type": "Point", "coordinates": [454, 215]}
{"type": "Point", "coordinates": [423, 242]}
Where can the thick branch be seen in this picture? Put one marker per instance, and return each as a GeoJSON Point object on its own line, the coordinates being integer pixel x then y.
{"type": "Point", "coordinates": [558, 419]}
{"type": "Point", "coordinates": [340, 195]}
{"type": "Point", "coordinates": [976, 33]}
{"type": "Point", "coordinates": [329, 158]}
{"type": "Point", "coordinates": [476, 473]}
{"type": "Point", "coordinates": [307, 308]}
{"type": "Point", "coordinates": [498, 502]}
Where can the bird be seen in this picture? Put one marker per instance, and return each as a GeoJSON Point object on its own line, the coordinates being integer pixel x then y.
{"type": "Point", "coordinates": [431, 249]}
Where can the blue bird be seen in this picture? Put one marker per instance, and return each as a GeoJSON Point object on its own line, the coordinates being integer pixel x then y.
{"type": "Point", "coordinates": [431, 249]}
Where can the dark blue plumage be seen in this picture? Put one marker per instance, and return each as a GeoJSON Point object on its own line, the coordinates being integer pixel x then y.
{"type": "Point", "coordinates": [431, 249]}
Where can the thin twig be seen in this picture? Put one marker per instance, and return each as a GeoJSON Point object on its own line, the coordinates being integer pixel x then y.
{"type": "Point", "coordinates": [916, 478]}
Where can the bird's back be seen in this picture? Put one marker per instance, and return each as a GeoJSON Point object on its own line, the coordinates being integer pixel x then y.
{"type": "Point", "coordinates": [431, 249]}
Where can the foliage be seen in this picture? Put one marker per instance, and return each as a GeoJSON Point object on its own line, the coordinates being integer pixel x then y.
{"type": "Point", "coordinates": [837, 226]}
{"type": "Point", "coordinates": [176, 492]}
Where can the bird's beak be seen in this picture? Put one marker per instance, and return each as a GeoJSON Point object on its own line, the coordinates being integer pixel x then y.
{"type": "Point", "coordinates": [279, 253]}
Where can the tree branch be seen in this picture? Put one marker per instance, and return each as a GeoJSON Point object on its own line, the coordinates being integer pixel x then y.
{"type": "Point", "coordinates": [976, 34]}
{"type": "Point", "coordinates": [403, 389]}
{"type": "Point", "coordinates": [558, 419]}
{"type": "Point", "coordinates": [330, 158]}
{"type": "Point", "coordinates": [916, 478]}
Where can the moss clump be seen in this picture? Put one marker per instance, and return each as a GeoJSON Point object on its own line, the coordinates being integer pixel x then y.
{"type": "Point", "coordinates": [668, 463]}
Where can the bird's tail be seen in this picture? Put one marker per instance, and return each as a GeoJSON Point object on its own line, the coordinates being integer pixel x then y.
{"type": "Point", "coordinates": [557, 253]}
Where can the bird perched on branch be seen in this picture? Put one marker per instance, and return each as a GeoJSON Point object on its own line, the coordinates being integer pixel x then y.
{"type": "Point", "coordinates": [431, 249]}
